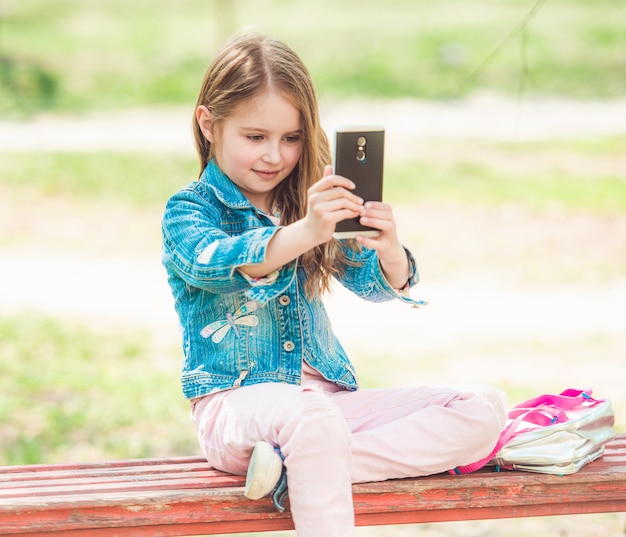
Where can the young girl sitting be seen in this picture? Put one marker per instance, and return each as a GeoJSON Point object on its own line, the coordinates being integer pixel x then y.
{"type": "Point", "coordinates": [249, 251]}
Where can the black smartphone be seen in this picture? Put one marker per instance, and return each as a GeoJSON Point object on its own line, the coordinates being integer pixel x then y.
{"type": "Point", "coordinates": [359, 156]}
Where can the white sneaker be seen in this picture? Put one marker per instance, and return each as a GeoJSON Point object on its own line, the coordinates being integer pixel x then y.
{"type": "Point", "coordinates": [264, 471]}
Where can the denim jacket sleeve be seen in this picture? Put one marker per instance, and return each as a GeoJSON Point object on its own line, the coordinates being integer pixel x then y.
{"type": "Point", "coordinates": [205, 249]}
{"type": "Point", "coordinates": [365, 278]}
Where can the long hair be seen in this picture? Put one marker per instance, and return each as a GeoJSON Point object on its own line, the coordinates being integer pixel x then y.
{"type": "Point", "coordinates": [245, 68]}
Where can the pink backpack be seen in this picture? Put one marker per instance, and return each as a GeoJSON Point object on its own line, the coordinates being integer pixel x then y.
{"type": "Point", "coordinates": [553, 434]}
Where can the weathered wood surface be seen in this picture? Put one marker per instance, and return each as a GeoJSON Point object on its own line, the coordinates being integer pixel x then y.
{"type": "Point", "coordinates": [184, 496]}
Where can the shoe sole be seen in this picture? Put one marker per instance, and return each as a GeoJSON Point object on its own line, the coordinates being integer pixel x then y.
{"type": "Point", "coordinates": [263, 471]}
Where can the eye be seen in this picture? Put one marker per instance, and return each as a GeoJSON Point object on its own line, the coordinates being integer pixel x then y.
{"type": "Point", "coordinates": [292, 138]}
{"type": "Point", "coordinates": [255, 137]}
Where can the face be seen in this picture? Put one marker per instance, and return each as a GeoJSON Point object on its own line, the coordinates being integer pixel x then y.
{"type": "Point", "coordinates": [258, 145]}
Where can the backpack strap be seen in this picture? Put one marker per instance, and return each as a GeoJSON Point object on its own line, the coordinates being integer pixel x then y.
{"type": "Point", "coordinates": [507, 433]}
{"type": "Point", "coordinates": [566, 400]}
{"type": "Point", "coordinates": [543, 411]}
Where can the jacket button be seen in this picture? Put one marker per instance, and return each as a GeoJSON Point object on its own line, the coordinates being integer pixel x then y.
{"type": "Point", "coordinates": [289, 346]}
{"type": "Point", "coordinates": [284, 300]}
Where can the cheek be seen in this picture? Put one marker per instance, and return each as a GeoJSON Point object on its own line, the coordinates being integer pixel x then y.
{"type": "Point", "coordinates": [230, 156]}
{"type": "Point", "coordinates": [293, 155]}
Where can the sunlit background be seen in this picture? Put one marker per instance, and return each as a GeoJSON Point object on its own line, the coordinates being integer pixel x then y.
{"type": "Point", "coordinates": [506, 166]}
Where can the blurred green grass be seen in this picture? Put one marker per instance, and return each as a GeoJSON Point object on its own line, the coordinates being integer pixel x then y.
{"type": "Point", "coordinates": [70, 392]}
{"type": "Point", "coordinates": [131, 179]}
{"type": "Point", "coordinates": [70, 55]}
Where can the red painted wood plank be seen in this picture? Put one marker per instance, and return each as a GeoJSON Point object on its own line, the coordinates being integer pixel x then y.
{"type": "Point", "coordinates": [218, 506]}
{"type": "Point", "coordinates": [482, 513]}
{"type": "Point", "coordinates": [100, 464]}
{"type": "Point", "coordinates": [185, 496]}
{"type": "Point", "coordinates": [423, 495]}
{"type": "Point", "coordinates": [136, 486]}
{"type": "Point", "coordinates": [188, 529]}
{"type": "Point", "coordinates": [131, 469]}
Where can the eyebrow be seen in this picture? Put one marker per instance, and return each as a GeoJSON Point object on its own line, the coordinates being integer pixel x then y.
{"type": "Point", "coordinates": [265, 131]}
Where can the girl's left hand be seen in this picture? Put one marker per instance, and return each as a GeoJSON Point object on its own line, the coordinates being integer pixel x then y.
{"type": "Point", "coordinates": [379, 215]}
{"type": "Point", "coordinates": [391, 253]}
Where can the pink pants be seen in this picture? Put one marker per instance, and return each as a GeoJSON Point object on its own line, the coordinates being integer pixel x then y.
{"type": "Point", "coordinates": [331, 438]}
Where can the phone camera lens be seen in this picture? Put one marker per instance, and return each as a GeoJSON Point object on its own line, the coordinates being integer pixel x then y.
{"type": "Point", "coordinates": [360, 155]}
{"type": "Point", "coordinates": [361, 141]}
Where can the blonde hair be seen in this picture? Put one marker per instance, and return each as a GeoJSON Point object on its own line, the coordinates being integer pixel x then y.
{"type": "Point", "coordinates": [246, 67]}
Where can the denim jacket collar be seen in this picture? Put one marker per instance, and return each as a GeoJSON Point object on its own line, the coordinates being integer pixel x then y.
{"type": "Point", "coordinates": [224, 189]}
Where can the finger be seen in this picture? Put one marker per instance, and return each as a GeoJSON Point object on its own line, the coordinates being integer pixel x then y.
{"type": "Point", "coordinates": [372, 243]}
{"type": "Point", "coordinates": [378, 209]}
{"type": "Point", "coordinates": [332, 180]}
{"type": "Point", "coordinates": [326, 202]}
{"type": "Point", "coordinates": [381, 220]}
{"type": "Point", "coordinates": [330, 216]}
{"type": "Point", "coordinates": [379, 205]}
{"type": "Point", "coordinates": [368, 242]}
{"type": "Point", "coordinates": [381, 225]}
{"type": "Point", "coordinates": [330, 190]}
{"type": "Point", "coordinates": [377, 214]}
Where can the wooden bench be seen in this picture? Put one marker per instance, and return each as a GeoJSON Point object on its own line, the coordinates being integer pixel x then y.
{"type": "Point", "coordinates": [184, 496]}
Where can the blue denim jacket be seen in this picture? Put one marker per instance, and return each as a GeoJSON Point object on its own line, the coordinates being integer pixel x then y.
{"type": "Point", "coordinates": [237, 330]}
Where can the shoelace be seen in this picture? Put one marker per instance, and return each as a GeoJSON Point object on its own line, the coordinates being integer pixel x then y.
{"type": "Point", "coordinates": [281, 492]}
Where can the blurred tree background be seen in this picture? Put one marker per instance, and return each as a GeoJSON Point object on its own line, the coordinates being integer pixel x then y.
{"type": "Point", "coordinates": [72, 55]}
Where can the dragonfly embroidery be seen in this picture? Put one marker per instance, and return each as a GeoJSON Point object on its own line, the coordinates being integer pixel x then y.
{"type": "Point", "coordinates": [243, 316]}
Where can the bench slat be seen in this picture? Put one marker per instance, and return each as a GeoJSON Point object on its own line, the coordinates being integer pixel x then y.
{"type": "Point", "coordinates": [25, 473]}
{"type": "Point", "coordinates": [184, 496]}
{"type": "Point", "coordinates": [82, 487]}
{"type": "Point", "coordinates": [121, 465]}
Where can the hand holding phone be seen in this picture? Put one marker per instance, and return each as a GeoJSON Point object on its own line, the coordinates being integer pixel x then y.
{"type": "Point", "coordinates": [359, 156]}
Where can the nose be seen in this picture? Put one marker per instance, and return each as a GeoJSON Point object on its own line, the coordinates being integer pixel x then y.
{"type": "Point", "coordinates": [272, 152]}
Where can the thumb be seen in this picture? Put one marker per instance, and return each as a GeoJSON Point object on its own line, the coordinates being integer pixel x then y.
{"type": "Point", "coordinates": [328, 170]}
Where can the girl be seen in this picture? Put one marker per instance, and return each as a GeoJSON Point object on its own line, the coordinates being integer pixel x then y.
{"type": "Point", "coordinates": [249, 251]}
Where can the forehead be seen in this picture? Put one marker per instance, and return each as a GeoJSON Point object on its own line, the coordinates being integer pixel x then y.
{"type": "Point", "coordinates": [270, 110]}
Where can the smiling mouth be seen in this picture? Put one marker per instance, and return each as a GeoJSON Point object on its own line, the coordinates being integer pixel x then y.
{"type": "Point", "coordinates": [267, 173]}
